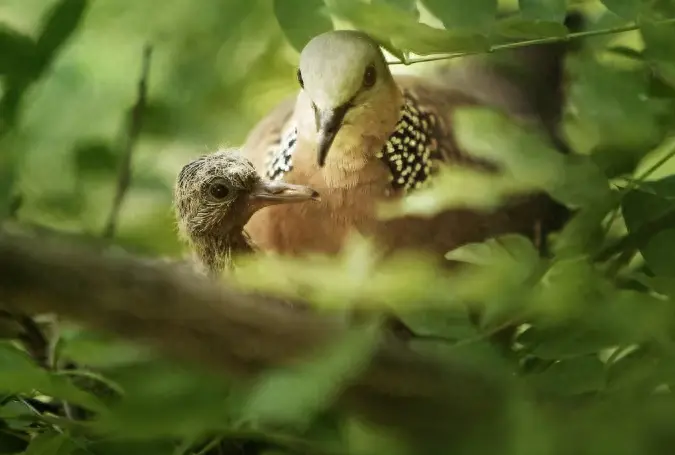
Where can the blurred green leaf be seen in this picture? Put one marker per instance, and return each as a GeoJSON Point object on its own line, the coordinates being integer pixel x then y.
{"type": "Point", "coordinates": [302, 20]}
{"type": "Point", "coordinates": [296, 394]}
{"type": "Point", "coordinates": [11, 444]}
{"type": "Point", "coordinates": [571, 340]}
{"type": "Point", "coordinates": [93, 158]}
{"type": "Point", "coordinates": [504, 248]}
{"type": "Point", "coordinates": [659, 252]}
{"type": "Point", "coordinates": [477, 15]}
{"type": "Point", "coordinates": [59, 24]}
{"type": "Point", "coordinates": [387, 23]}
{"type": "Point", "coordinates": [164, 399]}
{"type": "Point", "coordinates": [626, 51]}
{"type": "Point", "coordinates": [613, 105]}
{"type": "Point", "coordinates": [51, 443]}
{"type": "Point", "coordinates": [17, 53]}
{"type": "Point", "coordinates": [409, 6]}
{"type": "Point", "coordinates": [94, 350]}
{"type": "Point", "coordinates": [639, 368]}
{"type": "Point", "coordinates": [20, 375]}
{"type": "Point", "coordinates": [649, 202]}
{"type": "Point", "coordinates": [516, 27]}
{"type": "Point", "coordinates": [572, 376]}
{"type": "Point", "coordinates": [659, 49]}
{"type": "Point", "coordinates": [546, 10]}
{"type": "Point", "coordinates": [626, 9]}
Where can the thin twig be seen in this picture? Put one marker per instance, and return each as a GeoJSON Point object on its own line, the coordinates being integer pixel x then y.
{"type": "Point", "coordinates": [533, 42]}
{"type": "Point", "coordinates": [131, 138]}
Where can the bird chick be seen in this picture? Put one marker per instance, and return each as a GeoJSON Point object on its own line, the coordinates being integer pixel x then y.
{"type": "Point", "coordinates": [215, 196]}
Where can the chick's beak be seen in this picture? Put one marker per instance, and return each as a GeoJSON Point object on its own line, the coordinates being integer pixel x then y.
{"type": "Point", "coordinates": [269, 192]}
{"type": "Point", "coordinates": [328, 123]}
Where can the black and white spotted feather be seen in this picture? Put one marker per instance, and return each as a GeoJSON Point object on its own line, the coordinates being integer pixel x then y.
{"type": "Point", "coordinates": [409, 153]}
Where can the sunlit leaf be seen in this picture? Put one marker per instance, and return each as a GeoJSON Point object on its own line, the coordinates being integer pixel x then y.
{"type": "Point", "coordinates": [296, 394]}
{"type": "Point", "coordinates": [477, 15]}
{"type": "Point", "coordinates": [387, 23]}
{"type": "Point", "coordinates": [302, 20]}
{"type": "Point", "coordinates": [505, 248]}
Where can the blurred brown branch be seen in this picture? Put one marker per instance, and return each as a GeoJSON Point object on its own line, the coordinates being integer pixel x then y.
{"type": "Point", "coordinates": [191, 318]}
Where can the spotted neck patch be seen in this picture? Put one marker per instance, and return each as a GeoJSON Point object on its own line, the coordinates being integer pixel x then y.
{"type": "Point", "coordinates": [409, 153]}
{"type": "Point", "coordinates": [412, 147]}
{"type": "Point", "coordinates": [279, 158]}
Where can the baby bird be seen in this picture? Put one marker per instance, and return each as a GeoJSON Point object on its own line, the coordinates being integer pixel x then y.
{"type": "Point", "coordinates": [215, 196]}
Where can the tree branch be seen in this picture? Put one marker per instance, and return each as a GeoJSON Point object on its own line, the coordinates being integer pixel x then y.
{"type": "Point", "coordinates": [192, 318]}
{"type": "Point", "coordinates": [534, 42]}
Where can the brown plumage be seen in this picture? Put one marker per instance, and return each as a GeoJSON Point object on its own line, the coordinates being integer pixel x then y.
{"type": "Point", "coordinates": [360, 135]}
{"type": "Point", "coordinates": [214, 197]}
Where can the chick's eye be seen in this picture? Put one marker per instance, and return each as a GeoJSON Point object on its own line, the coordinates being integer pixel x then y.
{"type": "Point", "coordinates": [219, 191]}
{"type": "Point", "coordinates": [369, 77]}
{"type": "Point", "coordinates": [302, 84]}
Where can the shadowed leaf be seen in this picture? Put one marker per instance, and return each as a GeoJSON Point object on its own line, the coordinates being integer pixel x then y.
{"type": "Point", "coordinates": [302, 20]}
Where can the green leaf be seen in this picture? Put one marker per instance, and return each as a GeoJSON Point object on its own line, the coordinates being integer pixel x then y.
{"type": "Point", "coordinates": [626, 51]}
{"type": "Point", "coordinates": [167, 399]}
{"type": "Point", "coordinates": [59, 24]}
{"type": "Point", "coordinates": [17, 53]}
{"type": "Point", "coordinates": [660, 251]}
{"type": "Point", "coordinates": [516, 27]}
{"type": "Point", "coordinates": [94, 350]}
{"type": "Point", "coordinates": [11, 444]}
{"type": "Point", "coordinates": [572, 376]}
{"type": "Point", "coordinates": [409, 6]}
{"type": "Point", "coordinates": [659, 49]}
{"type": "Point", "coordinates": [626, 9]}
{"type": "Point", "coordinates": [302, 20]}
{"type": "Point", "coordinates": [389, 24]}
{"type": "Point", "coordinates": [565, 342]}
{"type": "Point", "coordinates": [505, 248]}
{"type": "Point", "coordinates": [18, 374]}
{"type": "Point", "coordinates": [648, 203]}
{"type": "Point", "coordinates": [546, 10]}
{"type": "Point", "coordinates": [296, 394]}
{"type": "Point", "coordinates": [640, 368]}
{"type": "Point", "coordinates": [477, 15]}
{"type": "Point", "coordinates": [613, 107]}
{"type": "Point", "coordinates": [51, 443]}
{"type": "Point", "coordinates": [94, 158]}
